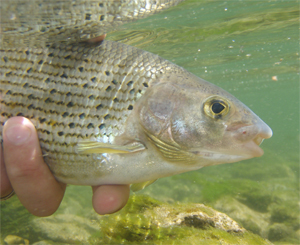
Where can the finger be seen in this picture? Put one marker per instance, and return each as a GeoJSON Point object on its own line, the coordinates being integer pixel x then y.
{"type": "Point", "coordinates": [30, 177]}
{"type": "Point", "coordinates": [5, 186]}
{"type": "Point", "coordinates": [108, 199]}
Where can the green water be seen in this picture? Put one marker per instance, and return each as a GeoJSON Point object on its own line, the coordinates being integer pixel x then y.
{"type": "Point", "coordinates": [249, 48]}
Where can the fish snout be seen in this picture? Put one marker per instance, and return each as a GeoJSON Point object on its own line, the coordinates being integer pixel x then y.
{"type": "Point", "coordinates": [250, 136]}
{"type": "Point", "coordinates": [257, 131]}
{"type": "Point", "coordinates": [264, 132]}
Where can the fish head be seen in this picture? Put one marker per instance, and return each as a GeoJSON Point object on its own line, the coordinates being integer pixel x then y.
{"type": "Point", "coordinates": [190, 121]}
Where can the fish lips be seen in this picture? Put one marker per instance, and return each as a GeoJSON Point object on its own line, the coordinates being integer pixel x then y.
{"type": "Point", "coordinates": [250, 137]}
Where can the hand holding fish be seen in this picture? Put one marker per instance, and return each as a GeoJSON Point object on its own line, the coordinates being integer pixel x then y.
{"type": "Point", "coordinates": [24, 171]}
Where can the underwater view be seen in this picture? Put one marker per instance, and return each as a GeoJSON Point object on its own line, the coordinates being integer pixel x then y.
{"type": "Point", "coordinates": [248, 48]}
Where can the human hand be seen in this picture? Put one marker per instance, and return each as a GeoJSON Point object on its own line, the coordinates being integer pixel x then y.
{"type": "Point", "coordinates": [24, 171]}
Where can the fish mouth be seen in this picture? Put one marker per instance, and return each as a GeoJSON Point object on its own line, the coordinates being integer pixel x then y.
{"type": "Point", "coordinates": [252, 146]}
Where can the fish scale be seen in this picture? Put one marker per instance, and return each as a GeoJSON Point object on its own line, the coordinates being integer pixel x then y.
{"type": "Point", "coordinates": [76, 92]}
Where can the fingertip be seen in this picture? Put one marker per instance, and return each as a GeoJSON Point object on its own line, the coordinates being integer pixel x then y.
{"type": "Point", "coordinates": [18, 130]}
{"type": "Point", "coordinates": [109, 199]}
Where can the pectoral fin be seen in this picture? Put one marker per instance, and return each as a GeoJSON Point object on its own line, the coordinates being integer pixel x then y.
{"type": "Point", "coordinates": [172, 152]}
{"type": "Point", "coordinates": [85, 147]}
{"type": "Point", "coordinates": [141, 186]}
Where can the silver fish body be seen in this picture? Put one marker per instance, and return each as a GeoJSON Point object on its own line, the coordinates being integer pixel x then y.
{"type": "Point", "coordinates": [121, 96]}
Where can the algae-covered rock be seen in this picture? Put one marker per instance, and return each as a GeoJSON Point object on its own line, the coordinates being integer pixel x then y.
{"type": "Point", "coordinates": [147, 221]}
{"type": "Point", "coordinates": [12, 239]}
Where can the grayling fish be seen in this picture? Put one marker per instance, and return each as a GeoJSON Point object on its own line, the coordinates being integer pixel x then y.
{"type": "Point", "coordinates": [108, 113]}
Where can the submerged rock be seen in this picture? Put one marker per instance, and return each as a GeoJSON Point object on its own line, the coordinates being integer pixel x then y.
{"type": "Point", "coordinates": [147, 221]}
{"type": "Point", "coordinates": [12, 239]}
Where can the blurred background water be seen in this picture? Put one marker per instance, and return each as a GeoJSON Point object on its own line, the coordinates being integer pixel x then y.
{"type": "Point", "coordinates": [249, 48]}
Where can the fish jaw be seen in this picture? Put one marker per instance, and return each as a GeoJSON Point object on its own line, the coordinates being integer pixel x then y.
{"type": "Point", "coordinates": [247, 137]}
{"type": "Point", "coordinates": [244, 144]}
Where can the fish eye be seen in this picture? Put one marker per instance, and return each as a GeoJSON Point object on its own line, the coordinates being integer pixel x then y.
{"type": "Point", "coordinates": [216, 107]}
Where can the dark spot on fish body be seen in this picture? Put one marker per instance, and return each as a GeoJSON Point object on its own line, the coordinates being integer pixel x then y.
{"type": "Point", "coordinates": [42, 120]}
{"type": "Point", "coordinates": [67, 57]}
{"type": "Point", "coordinates": [40, 62]}
{"type": "Point", "coordinates": [116, 100]}
{"type": "Point", "coordinates": [61, 133]}
{"type": "Point", "coordinates": [145, 85]}
{"type": "Point", "coordinates": [65, 114]}
{"type": "Point", "coordinates": [29, 70]}
{"type": "Point", "coordinates": [52, 91]}
{"type": "Point", "coordinates": [108, 89]}
{"type": "Point", "coordinates": [70, 104]}
{"type": "Point", "coordinates": [7, 74]}
{"type": "Point", "coordinates": [101, 5]}
{"type": "Point", "coordinates": [98, 107]}
{"type": "Point", "coordinates": [102, 17]}
{"type": "Point", "coordinates": [5, 59]}
{"type": "Point", "coordinates": [107, 73]}
{"type": "Point", "coordinates": [93, 79]}
{"type": "Point", "coordinates": [50, 55]}
{"type": "Point", "coordinates": [8, 92]}
{"type": "Point", "coordinates": [132, 91]}
{"type": "Point", "coordinates": [130, 107]}
{"type": "Point", "coordinates": [68, 94]}
{"type": "Point", "coordinates": [91, 97]}
{"type": "Point", "coordinates": [64, 76]}
{"type": "Point", "coordinates": [88, 16]}
{"type": "Point", "coordinates": [48, 100]}
{"type": "Point", "coordinates": [101, 126]}
{"type": "Point", "coordinates": [129, 83]}
{"type": "Point", "coordinates": [107, 116]}
{"type": "Point", "coordinates": [30, 96]}
{"type": "Point", "coordinates": [85, 85]}
{"type": "Point", "coordinates": [4, 114]}
{"type": "Point", "coordinates": [90, 125]}
{"type": "Point", "coordinates": [20, 114]}
{"type": "Point", "coordinates": [25, 85]}
{"type": "Point", "coordinates": [27, 52]}
{"type": "Point", "coordinates": [47, 80]}
{"type": "Point", "coordinates": [114, 82]}
{"type": "Point", "coordinates": [80, 69]}
{"type": "Point", "coordinates": [31, 106]}
{"type": "Point", "coordinates": [71, 125]}
{"type": "Point", "coordinates": [82, 115]}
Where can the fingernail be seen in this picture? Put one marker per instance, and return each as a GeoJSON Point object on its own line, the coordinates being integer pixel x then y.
{"type": "Point", "coordinates": [18, 134]}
